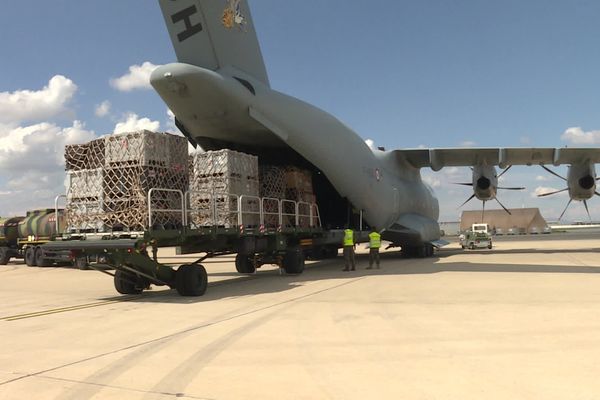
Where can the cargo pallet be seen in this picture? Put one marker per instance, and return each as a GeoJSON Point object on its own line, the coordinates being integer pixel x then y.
{"type": "Point", "coordinates": [282, 232]}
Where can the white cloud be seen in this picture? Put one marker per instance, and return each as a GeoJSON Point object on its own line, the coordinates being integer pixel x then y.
{"type": "Point", "coordinates": [525, 140]}
{"type": "Point", "coordinates": [370, 143]}
{"type": "Point", "coordinates": [432, 181]}
{"type": "Point", "coordinates": [37, 105]}
{"type": "Point", "coordinates": [578, 136]}
{"type": "Point", "coordinates": [541, 178]}
{"type": "Point", "coordinates": [542, 190]}
{"type": "Point", "coordinates": [38, 147]}
{"type": "Point", "coordinates": [170, 124]}
{"type": "Point", "coordinates": [32, 164]}
{"type": "Point", "coordinates": [102, 109]}
{"type": "Point", "coordinates": [137, 78]}
{"type": "Point", "coordinates": [468, 143]}
{"type": "Point", "coordinates": [132, 122]}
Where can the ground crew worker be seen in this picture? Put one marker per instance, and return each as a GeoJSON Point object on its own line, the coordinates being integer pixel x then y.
{"type": "Point", "coordinates": [349, 250]}
{"type": "Point", "coordinates": [374, 246]}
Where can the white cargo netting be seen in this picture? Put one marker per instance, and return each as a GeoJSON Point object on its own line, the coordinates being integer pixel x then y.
{"type": "Point", "coordinates": [217, 180]}
{"type": "Point", "coordinates": [114, 196]}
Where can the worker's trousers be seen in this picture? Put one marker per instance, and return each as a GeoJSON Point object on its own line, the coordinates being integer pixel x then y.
{"type": "Point", "coordinates": [373, 257]}
{"type": "Point", "coordinates": [349, 257]}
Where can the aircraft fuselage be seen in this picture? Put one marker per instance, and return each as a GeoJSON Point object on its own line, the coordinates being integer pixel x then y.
{"type": "Point", "coordinates": [231, 107]}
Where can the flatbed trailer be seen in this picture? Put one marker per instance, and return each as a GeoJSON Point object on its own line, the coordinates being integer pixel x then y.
{"type": "Point", "coordinates": [134, 255]}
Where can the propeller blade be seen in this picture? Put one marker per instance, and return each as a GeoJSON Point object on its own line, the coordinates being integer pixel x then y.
{"type": "Point", "coordinates": [468, 200]}
{"type": "Point", "coordinates": [551, 193]}
{"type": "Point", "coordinates": [503, 172]}
{"type": "Point", "coordinates": [565, 210]}
{"type": "Point", "coordinates": [552, 172]}
{"type": "Point", "coordinates": [502, 205]}
{"type": "Point", "coordinates": [587, 209]}
{"type": "Point", "coordinates": [464, 184]}
{"type": "Point", "coordinates": [511, 188]}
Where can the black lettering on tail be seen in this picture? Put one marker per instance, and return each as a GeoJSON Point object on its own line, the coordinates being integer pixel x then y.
{"type": "Point", "coordinates": [190, 30]}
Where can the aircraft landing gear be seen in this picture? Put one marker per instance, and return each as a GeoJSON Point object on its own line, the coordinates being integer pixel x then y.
{"type": "Point", "coordinates": [423, 251]}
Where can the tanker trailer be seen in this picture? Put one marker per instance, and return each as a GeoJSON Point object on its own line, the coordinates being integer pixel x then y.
{"type": "Point", "coordinates": [37, 228]}
{"type": "Point", "coordinates": [9, 236]}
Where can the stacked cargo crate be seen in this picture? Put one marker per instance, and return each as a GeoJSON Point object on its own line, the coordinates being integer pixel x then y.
{"type": "Point", "coordinates": [289, 183]}
{"type": "Point", "coordinates": [223, 176]}
{"type": "Point", "coordinates": [85, 171]}
{"type": "Point", "coordinates": [108, 181]}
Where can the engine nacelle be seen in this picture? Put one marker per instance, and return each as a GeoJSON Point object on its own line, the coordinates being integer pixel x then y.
{"type": "Point", "coordinates": [485, 182]}
{"type": "Point", "coordinates": [581, 181]}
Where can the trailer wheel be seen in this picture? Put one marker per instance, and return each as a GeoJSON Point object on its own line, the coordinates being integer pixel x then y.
{"type": "Point", "coordinates": [82, 263]}
{"type": "Point", "coordinates": [4, 255]}
{"type": "Point", "coordinates": [30, 256]}
{"type": "Point", "coordinates": [293, 261]}
{"type": "Point", "coordinates": [40, 260]}
{"type": "Point", "coordinates": [127, 283]}
{"type": "Point", "coordinates": [244, 264]}
{"type": "Point", "coordinates": [191, 280]}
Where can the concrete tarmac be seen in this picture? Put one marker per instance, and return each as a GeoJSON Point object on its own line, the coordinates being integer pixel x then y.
{"type": "Point", "coordinates": [521, 321]}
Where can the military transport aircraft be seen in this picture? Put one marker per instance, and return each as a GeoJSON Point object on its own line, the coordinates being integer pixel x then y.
{"type": "Point", "coordinates": [220, 94]}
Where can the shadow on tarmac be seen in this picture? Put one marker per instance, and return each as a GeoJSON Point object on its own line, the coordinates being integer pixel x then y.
{"type": "Point", "coordinates": [270, 281]}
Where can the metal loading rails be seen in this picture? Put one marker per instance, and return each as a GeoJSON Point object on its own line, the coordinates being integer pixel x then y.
{"type": "Point", "coordinates": [284, 235]}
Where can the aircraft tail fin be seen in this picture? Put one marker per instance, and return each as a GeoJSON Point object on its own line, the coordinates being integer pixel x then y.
{"type": "Point", "coordinates": [213, 34]}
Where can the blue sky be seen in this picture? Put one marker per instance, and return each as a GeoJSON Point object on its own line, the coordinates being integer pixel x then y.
{"type": "Point", "coordinates": [404, 74]}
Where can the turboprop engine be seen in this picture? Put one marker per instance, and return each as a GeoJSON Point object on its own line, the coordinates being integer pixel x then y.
{"type": "Point", "coordinates": [581, 184]}
{"type": "Point", "coordinates": [485, 185]}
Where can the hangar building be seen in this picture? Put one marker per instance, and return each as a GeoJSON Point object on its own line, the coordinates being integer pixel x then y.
{"type": "Point", "coordinates": [522, 219]}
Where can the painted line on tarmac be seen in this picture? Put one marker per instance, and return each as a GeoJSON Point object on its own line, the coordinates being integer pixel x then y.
{"type": "Point", "coordinates": [188, 330]}
{"type": "Point", "coordinates": [65, 309]}
{"type": "Point", "coordinates": [123, 299]}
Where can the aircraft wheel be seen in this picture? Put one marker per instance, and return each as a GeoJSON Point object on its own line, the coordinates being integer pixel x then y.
{"type": "Point", "coordinates": [4, 255]}
{"type": "Point", "coordinates": [472, 246]}
{"type": "Point", "coordinates": [40, 260]}
{"type": "Point", "coordinates": [463, 246]}
{"type": "Point", "coordinates": [293, 261]}
{"type": "Point", "coordinates": [244, 264]}
{"type": "Point", "coordinates": [490, 246]}
{"type": "Point", "coordinates": [30, 256]}
{"type": "Point", "coordinates": [428, 250]}
{"type": "Point", "coordinates": [191, 280]}
{"type": "Point", "coordinates": [127, 283]}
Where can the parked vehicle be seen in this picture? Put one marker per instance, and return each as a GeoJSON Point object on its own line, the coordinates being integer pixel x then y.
{"type": "Point", "coordinates": [476, 238]}
{"type": "Point", "coordinates": [21, 237]}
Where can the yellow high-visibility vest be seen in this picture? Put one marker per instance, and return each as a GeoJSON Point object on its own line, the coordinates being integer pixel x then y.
{"type": "Point", "coordinates": [374, 240]}
{"type": "Point", "coordinates": [348, 237]}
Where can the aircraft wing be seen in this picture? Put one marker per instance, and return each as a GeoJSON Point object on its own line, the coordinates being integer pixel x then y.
{"type": "Point", "coordinates": [437, 159]}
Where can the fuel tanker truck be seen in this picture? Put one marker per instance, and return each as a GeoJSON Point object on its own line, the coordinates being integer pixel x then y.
{"type": "Point", "coordinates": [21, 237]}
